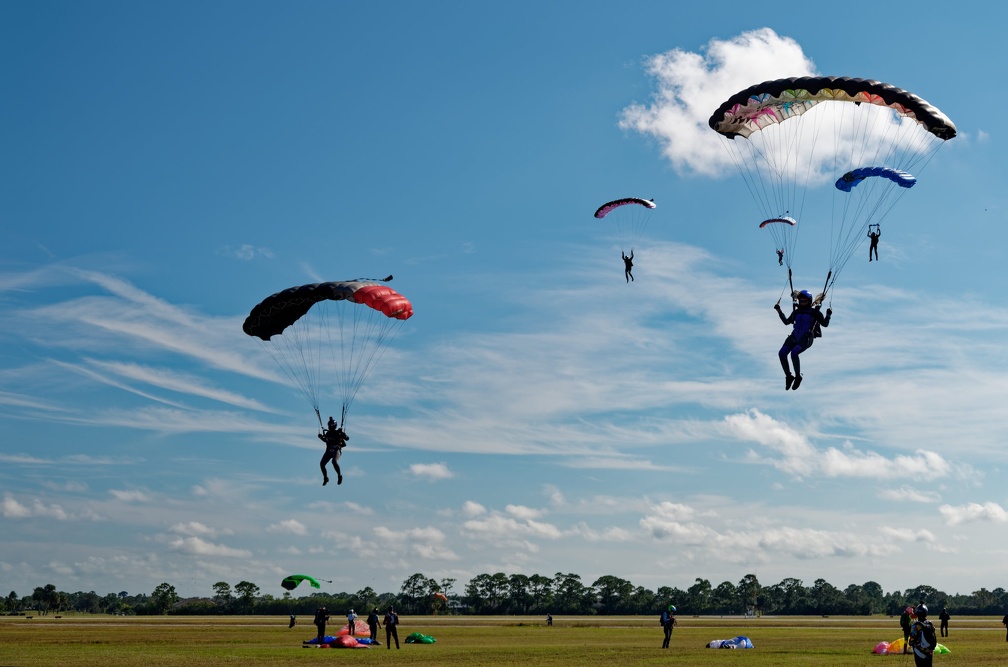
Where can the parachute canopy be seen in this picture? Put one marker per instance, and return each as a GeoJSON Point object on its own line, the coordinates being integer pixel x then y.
{"type": "Point", "coordinates": [852, 178]}
{"type": "Point", "coordinates": [630, 216]}
{"type": "Point", "coordinates": [440, 596]}
{"type": "Point", "coordinates": [335, 331]}
{"type": "Point", "coordinates": [772, 102]}
{"type": "Point", "coordinates": [608, 207]}
{"type": "Point", "coordinates": [782, 220]}
{"type": "Point", "coordinates": [291, 582]}
{"type": "Point", "coordinates": [279, 311]}
{"type": "Point", "coordinates": [791, 139]}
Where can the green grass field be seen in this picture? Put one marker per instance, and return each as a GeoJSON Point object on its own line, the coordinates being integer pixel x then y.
{"type": "Point", "coordinates": [496, 641]}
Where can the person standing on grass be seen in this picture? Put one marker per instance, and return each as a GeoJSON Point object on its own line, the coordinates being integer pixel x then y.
{"type": "Point", "coordinates": [321, 617]}
{"type": "Point", "coordinates": [372, 623]}
{"type": "Point", "coordinates": [391, 623]}
{"type": "Point", "coordinates": [906, 619]}
{"type": "Point", "coordinates": [922, 638]}
{"type": "Point", "coordinates": [944, 618]}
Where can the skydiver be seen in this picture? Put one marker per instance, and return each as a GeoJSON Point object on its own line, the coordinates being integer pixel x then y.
{"type": "Point", "coordinates": [628, 265]}
{"type": "Point", "coordinates": [874, 236]}
{"type": "Point", "coordinates": [804, 316]}
{"type": "Point", "coordinates": [922, 638]}
{"type": "Point", "coordinates": [335, 440]}
{"type": "Point", "coordinates": [780, 256]}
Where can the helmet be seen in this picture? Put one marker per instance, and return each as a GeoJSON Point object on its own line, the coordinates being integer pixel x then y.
{"type": "Point", "coordinates": [804, 294]}
{"type": "Point", "coordinates": [921, 610]}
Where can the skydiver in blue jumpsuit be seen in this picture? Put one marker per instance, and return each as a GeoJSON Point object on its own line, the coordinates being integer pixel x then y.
{"type": "Point", "coordinates": [804, 317]}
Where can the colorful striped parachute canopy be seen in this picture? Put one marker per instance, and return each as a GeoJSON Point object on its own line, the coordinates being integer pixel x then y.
{"type": "Point", "coordinates": [792, 139]}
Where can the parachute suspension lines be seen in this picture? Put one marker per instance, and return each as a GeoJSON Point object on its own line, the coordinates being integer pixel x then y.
{"type": "Point", "coordinates": [630, 217]}
{"type": "Point", "coordinates": [329, 333]}
{"type": "Point", "coordinates": [791, 138]}
{"type": "Point", "coordinates": [356, 342]}
{"type": "Point", "coordinates": [298, 354]}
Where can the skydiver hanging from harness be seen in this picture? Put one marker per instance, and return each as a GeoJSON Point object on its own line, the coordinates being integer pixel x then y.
{"type": "Point", "coordinates": [628, 265]}
{"type": "Point", "coordinates": [874, 232]}
{"type": "Point", "coordinates": [335, 440]}
{"type": "Point", "coordinates": [806, 318]}
{"type": "Point", "coordinates": [780, 256]}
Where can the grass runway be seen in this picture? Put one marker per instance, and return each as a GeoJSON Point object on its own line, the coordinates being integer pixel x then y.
{"type": "Point", "coordinates": [494, 641]}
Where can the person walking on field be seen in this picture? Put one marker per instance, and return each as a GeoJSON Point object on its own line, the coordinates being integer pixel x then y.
{"type": "Point", "coordinates": [944, 618]}
{"type": "Point", "coordinates": [1004, 622]}
{"type": "Point", "coordinates": [668, 622]}
{"type": "Point", "coordinates": [391, 622]}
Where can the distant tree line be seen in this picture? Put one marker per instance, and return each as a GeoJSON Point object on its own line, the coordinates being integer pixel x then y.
{"type": "Point", "coordinates": [563, 593]}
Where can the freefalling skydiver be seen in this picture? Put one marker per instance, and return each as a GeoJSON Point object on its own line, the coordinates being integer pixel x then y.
{"type": "Point", "coordinates": [335, 440]}
{"type": "Point", "coordinates": [628, 265]}
{"type": "Point", "coordinates": [804, 316]}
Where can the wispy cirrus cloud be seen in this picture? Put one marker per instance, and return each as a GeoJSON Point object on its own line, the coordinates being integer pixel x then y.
{"type": "Point", "coordinates": [247, 252]}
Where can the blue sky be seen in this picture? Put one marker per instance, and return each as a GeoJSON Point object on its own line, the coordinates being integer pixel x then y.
{"type": "Point", "coordinates": [166, 166]}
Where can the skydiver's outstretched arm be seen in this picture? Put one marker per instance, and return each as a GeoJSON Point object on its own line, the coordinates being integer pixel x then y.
{"type": "Point", "coordinates": [780, 313]}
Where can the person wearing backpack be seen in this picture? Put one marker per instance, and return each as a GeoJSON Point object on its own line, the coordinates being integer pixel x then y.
{"type": "Point", "coordinates": [391, 623]}
{"type": "Point", "coordinates": [922, 638]}
{"type": "Point", "coordinates": [668, 621]}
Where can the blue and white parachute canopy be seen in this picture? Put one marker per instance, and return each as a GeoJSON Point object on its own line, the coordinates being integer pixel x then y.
{"type": "Point", "coordinates": [855, 176]}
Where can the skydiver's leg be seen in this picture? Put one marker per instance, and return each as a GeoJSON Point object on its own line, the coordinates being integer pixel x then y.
{"type": "Point", "coordinates": [783, 355]}
{"type": "Point", "coordinates": [795, 351]}
{"type": "Point", "coordinates": [322, 464]}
